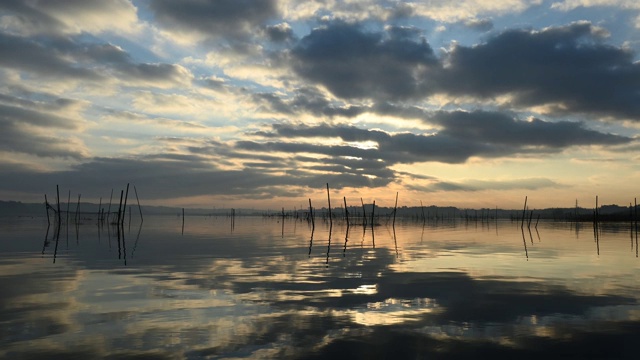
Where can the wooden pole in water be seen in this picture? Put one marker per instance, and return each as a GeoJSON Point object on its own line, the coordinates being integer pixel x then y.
{"type": "Point", "coordinates": [596, 214]}
{"type": "Point", "coordinates": [524, 211]}
{"type": "Point", "coordinates": [99, 206]}
{"type": "Point", "coordinates": [346, 211]}
{"type": "Point", "coordinates": [58, 200]}
{"type": "Point", "coordinates": [46, 207]}
{"type": "Point", "coordinates": [313, 223]}
{"type": "Point", "coordinates": [120, 208]}
{"type": "Point", "coordinates": [78, 210]}
{"type": "Point", "coordinates": [329, 200]}
{"type": "Point", "coordinates": [68, 206]}
{"type": "Point", "coordinates": [364, 214]}
{"type": "Point", "coordinates": [139, 208]}
{"type": "Point", "coordinates": [109, 210]}
{"type": "Point", "coordinates": [124, 209]}
{"type": "Point", "coordinates": [182, 220]}
{"type": "Point", "coordinates": [395, 208]}
{"type": "Point", "coordinates": [373, 210]}
{"type": "Point", "coordinates": [424, 219]}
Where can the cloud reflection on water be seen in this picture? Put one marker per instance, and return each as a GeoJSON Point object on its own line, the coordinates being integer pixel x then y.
{"type": "Point", "coordinates": [259, 292]}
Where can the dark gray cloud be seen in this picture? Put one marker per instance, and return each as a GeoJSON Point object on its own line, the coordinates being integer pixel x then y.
{"type": "Point", "coordinates": [231, 19]}
{"type": "Point", "coordinates": [482, 25]}
{"type": "Point", "coordinates": [65, 58]}
{"type": "Point", "coordinates": [29, 55]}
{"type": "Point", "coordinates": [280, 33]}
{"type": "Point", "coordinates": [354, 63]}
{"type": "Point", "coordinates": [16, 139]}
{"type": "Point", "coordinates": [500, 128]}
{"type": "Point", "coordinates": [122, 65]}
{"type": "Point", "coordinates": [167, 178]}
{"type": "Point", "coordinates": [56, 17]}
{"type": "Point", "coordinates": [31, 17]}
{"type": "Point", "coordinates": [25, 116]}
{"type": "Point", "coordinates": [569, 69]}
{"type": "Point", "coordinates": [568, 66]}
{"type": "Point", "coordinates": [463, 134]}
{"type": "Point", "coordinates": [480, 185]}
{"type": "Point", "coordinates": [308, 100]}
{"type": "Point", "coordinates": [27, 127]}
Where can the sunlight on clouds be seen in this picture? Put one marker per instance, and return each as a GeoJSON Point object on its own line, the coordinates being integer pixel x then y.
{"type": "Point", "coordinates": [302, 9]}
{"type": "Point", "coordinates": [174, 104]}
{"type": "Point", "coordinates": [450, 11]}
{"type": "Point", "coordinates": [567, 5]}
{"type": "Point", "coordinates": [261, 74]}
{"type": "Point", "coordinates": [89, 16]}
{"type": "Point", "coordinates": [398, 124]}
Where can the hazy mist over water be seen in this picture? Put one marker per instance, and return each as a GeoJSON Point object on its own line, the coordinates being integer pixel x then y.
{"type": "Point", "coordinates": [272, 288]}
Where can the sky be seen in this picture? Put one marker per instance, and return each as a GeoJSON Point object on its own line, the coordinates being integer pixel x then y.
{"type": "Point", "coordinates": [260, 104]}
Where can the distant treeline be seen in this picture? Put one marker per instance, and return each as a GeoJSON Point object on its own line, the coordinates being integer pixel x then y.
{"type": "Point", "coordinates": [605, 213]}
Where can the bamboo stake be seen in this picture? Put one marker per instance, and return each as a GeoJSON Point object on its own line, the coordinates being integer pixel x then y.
{"type": "Point", "coordinates": [313, 223]}
{"type": "Point", "coordinates": [58, 201]}
{"type": "Point", "coordinates": [109, 210]}
{"type": "Point", "coordinates": [46, 207]}
{"type": "Point", "coordinates": [120, 209]}
{"type": "Point", "coordinates": [139, 208]}
{"type": "Point", "coordinates": [99, 206]}
{"type": "Point", "coordinates": [373, 210]}
{"type": "Point", "coordinates": [329, 200]}
{"type": "Point", "coordinates": [395, 208]}
{"type": "Point", "coordinates": [346, 211]}
{"type": "Point", "coordinates": [124, 209]}
{"type": "Point", "coordinates": [68, 207]}
{"type": "Point", "coordinates": [78, 210]}
{"type": "Point", "coordinates": [524, 211]}
{"type": "Point", "coordinates": [364, 214]}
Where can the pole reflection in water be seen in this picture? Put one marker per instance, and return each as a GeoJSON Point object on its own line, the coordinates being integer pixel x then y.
{"type": "Point", "coordinates": [135, 244]}
{"type": "Point", "coordinates": [524, 241]}
{"type": "Point", "coordinates": [346, 237]}
{"type": "Point", "coordinates": [46, 239]}
{"type": "Point", "coordinates": [329, 243]}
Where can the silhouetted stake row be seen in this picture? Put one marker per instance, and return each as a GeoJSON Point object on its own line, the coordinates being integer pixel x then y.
{"type": "Point", "coordinates": [102, 216]}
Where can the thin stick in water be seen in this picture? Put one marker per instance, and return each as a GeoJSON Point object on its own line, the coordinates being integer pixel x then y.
{"type": "Point", "coordinates": [524, 211]}
{"type": "Point", "coordinates": [139, 207]}
{"type": "Point", "coordinates": [109, 210]}
{"type": "Point", "coordinates": [329, 200]}
{"type": "Point", "coordinates": [313, 223]}
{"type": "Point", "coordinates": [395, 208]}
{"type": "Point", "coordinates": [346, 211]}
{"type": "Point", "coordinates": [124, 209]}
{"type": "Point", "coordinates": [46, 207]}
{"type": "Point", "coordinates": [78, 210]}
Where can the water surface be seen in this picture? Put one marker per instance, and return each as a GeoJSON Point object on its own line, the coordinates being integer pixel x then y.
{"type": "Point", "coordinates": [267, 288]}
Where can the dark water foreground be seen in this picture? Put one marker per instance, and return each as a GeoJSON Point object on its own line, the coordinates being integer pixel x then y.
{"type": "Point", "coordinates": [263, 289]}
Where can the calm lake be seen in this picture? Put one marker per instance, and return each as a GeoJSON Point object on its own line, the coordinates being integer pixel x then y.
{"type": "Point", "coordinates": [263, 288]}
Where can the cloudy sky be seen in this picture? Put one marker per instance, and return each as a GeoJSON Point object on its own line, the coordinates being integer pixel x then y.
{"type": "Point", "coordinates": [244, 103]}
